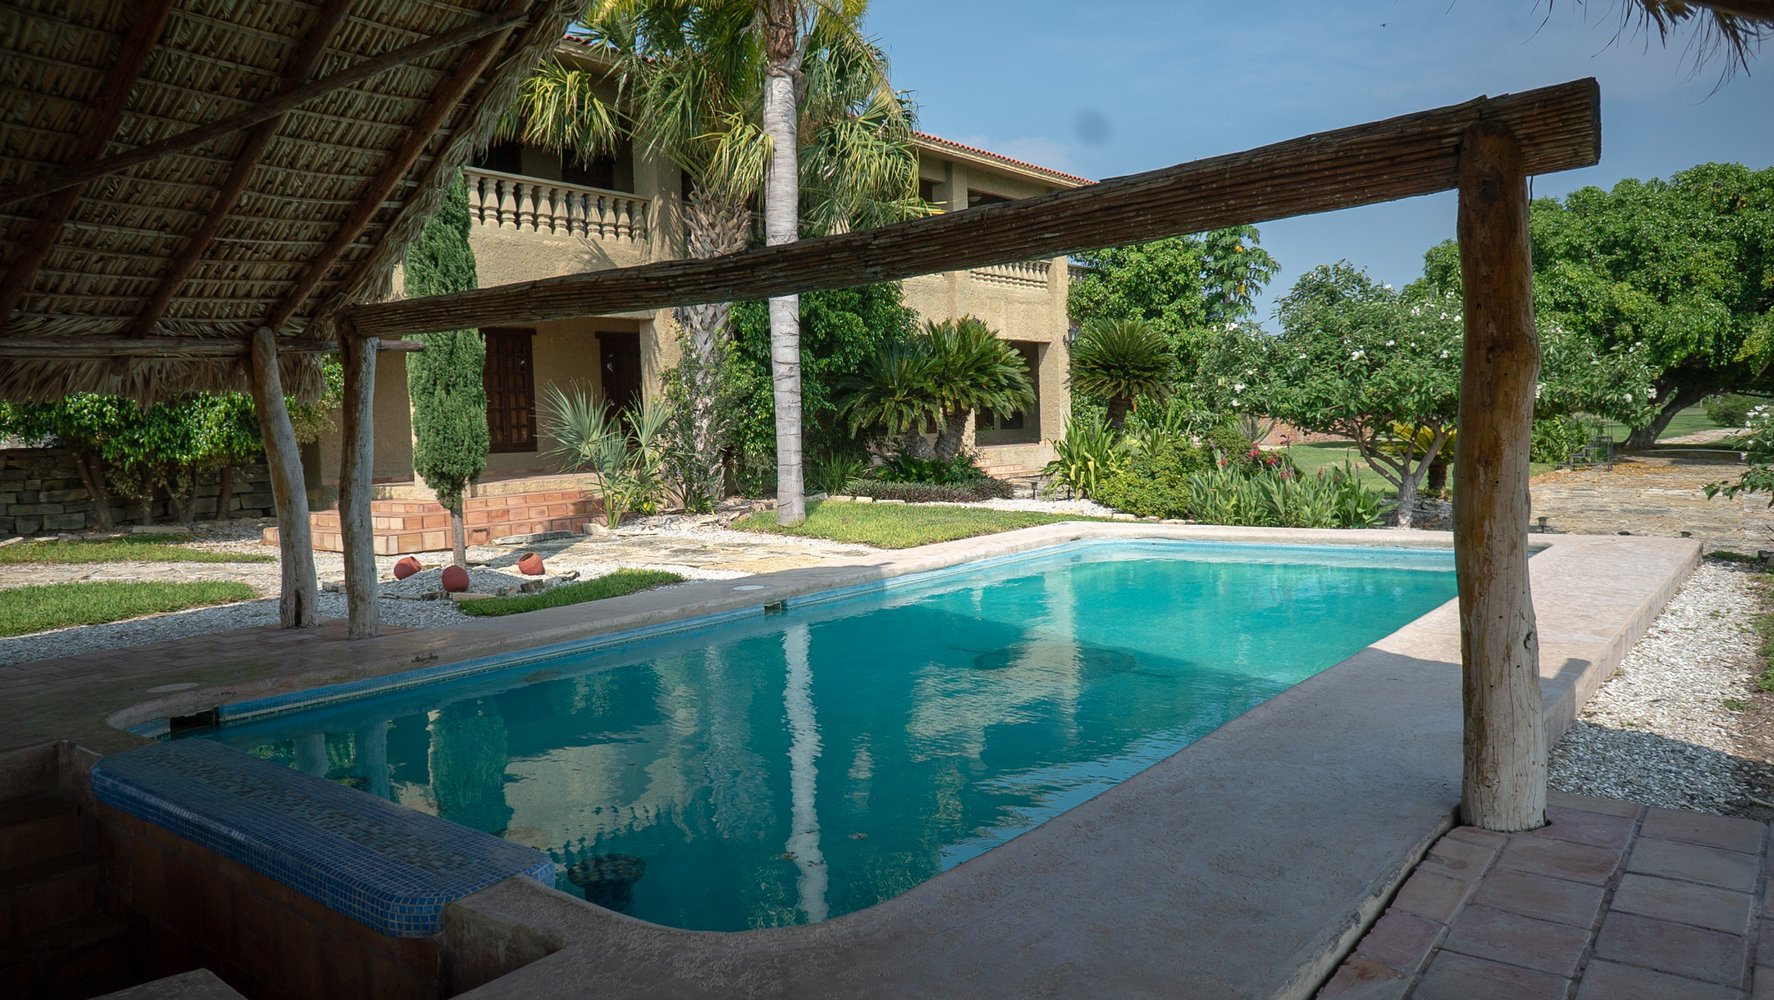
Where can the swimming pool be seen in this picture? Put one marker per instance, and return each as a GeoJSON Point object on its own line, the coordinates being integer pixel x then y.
{"type": "Point", "coordinates": [788, 767]}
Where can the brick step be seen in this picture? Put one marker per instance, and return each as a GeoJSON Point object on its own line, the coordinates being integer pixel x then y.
{"type": "Point", "coordinates": [47, 894]}
{"type": "Point", "coordinates": [37, 828]}
{"type": "Point", "coordinates": [93, 955]}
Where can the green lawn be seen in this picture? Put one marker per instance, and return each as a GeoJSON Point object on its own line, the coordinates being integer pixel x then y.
{"type": "Point", "coordinates": [127, 548]}
{"type": "Point", "coordinates": [24, 610]}
{"type": "Point", "coordinates": [623, 581]}
{"type": "Point", "coordinates": [1333, 454]}
{"type": "Point", "coordinates": [899, 526]}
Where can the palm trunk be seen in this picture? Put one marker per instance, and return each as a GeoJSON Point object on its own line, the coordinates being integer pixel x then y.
{"type": "Point", "coordinates": [782, 220]}
{"type": "Point", "coordinates": [1118, 407]}
{"type": "Point", "coordinates": [915, 445]}
{"type": "Point", "coordinates": [715, 225]}
{"type": "Point", "coordinates": [954, 431]}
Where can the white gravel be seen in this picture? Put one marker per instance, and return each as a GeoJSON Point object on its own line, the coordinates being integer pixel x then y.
{"type": "Point", "coordinates": [1659, 732]}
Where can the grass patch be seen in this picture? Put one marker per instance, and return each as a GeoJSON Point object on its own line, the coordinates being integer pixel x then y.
{"type": "Point", "coordinates": [623, 581]}
{"type": "Point", "coordinates": [127, 548]}
{"type": "Point", "coordinates": [900, 526]}
{"type": "Point", "coordinates": [24, 610]}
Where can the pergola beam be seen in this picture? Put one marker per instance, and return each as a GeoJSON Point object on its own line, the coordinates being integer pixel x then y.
{"type": "Point", "coordinates": [443, 103]}
{"type": "Point", "coordinates": [499, 24]}
{"type": "Point", "coordinates": [1558, 129]}
{"type": "Point", "coordinates": [301, 67]}
{"type": "Point", "coordinates": [106, 114]}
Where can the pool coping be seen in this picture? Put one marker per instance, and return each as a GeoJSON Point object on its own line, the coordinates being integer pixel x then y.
{"type": "Point", "coordinates": [1183, 850]}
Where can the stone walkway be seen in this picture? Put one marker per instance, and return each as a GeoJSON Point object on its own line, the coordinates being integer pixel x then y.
{"type": "Point", "coordinates": [1610, 901]}
{"type": "Point", "coordinates": [1654, 495]}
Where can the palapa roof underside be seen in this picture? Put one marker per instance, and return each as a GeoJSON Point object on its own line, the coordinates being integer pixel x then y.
{"type": "Point", "coordinates": [150, 280]}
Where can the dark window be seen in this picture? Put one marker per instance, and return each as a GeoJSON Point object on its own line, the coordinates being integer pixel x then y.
{"type": "Point", "coordinates": [926, 190]}
{"type": "Point", "coordinates": [510, 380]}
{"type": "Point", "coordinates": [619, 355]}
{"type": "Point", "coordinates": [978, 198]}
{"type": "Point", "coordinates": [991, 421]}
{"type": "Point", "coordinates": [599, 173]}
{"type": "Point", "coordinates": [504, 157]}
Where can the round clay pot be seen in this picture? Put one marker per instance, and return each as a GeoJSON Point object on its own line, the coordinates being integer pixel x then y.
{"type": "Point", "coordinates": [529, 564]}
{"type": "Point", "coordinates": [406, 567]}
{"type": "Point", "coordinates": [455, 579]}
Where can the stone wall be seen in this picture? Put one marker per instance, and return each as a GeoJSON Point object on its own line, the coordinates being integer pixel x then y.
{"type": "Point", "coordinates": [41, 492]}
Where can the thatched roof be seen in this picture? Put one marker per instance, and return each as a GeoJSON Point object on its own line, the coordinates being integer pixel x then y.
{"type": "Point", "coordinates": [149, 280]}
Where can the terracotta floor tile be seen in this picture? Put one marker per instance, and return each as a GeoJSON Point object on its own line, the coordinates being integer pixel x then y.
{"type": "Point", "coordinates": [1461, 977]}
{"type": "Point", "coordinates": [1604, 980]}
{"type": "Point", "coordinates": [1695, 863]}
{"type": "Point", "coordinates": [1685, 903]}
{"type": "Point", "coordinates": [1732, 833]}
{"type": "Point", "coordinates": [1693, 952]}
{"type": "Point", "coordinates": [1559, 900]}
{"type": "Point", "coordinates": [1560, 859]}
{"type": "Point", "coordinates": [1498, 935]}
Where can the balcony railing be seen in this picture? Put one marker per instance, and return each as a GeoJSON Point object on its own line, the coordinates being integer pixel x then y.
{"type": "Point", "coordinates": [531, 204]}
{"type": "Point", "coordinates": [1022, 273]}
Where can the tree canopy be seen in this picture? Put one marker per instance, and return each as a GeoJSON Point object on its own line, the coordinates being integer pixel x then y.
{"type": "Point", "coordinates": [1180, 284]}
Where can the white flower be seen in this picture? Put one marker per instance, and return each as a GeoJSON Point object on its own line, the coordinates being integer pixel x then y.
{"type": "Point", "coordinates": [1231, 327]}
{"type": "Point", "coordinates": [1238, 387]}
{"type": "Point", "coordinates": [1538, 386]}
{"type": "Point", "coordinates": [1386, 287]}
{"type": "Point", "coordinates": [1650, 392]}
{"type": "Point", "coordinates": [1628, 397]}
{"type": "Point", "coordinates": [1355, 355]}
{"type": "Point", "coordinates": [1444, 355]}
{"type": "Point", "coordinates": [1391, 343]}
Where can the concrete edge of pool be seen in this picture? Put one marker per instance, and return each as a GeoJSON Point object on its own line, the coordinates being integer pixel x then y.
{"type": "Point", "coordinates": [1236, 867]}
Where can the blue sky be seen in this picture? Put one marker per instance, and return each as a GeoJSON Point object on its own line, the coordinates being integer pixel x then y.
{"type": "Point", "coordinates": [1115, 87]}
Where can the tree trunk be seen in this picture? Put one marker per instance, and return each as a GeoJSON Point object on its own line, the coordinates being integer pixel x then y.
{"type": "Point", "coordinates": [1118, 407]}
{"type": "Point", "coordinates": [782, 222]}
{"type": "Point", "coordinates": [92, 475]}
{"type": "Point", "coordinates": [363, 614]}
{"type": "Point", "coordinates": [458, 537]}
{"type": "Point", "coordinates": [1674, 402]}
{"type": "Point", "coordinates": [954, 432]}
{"type": "Point", "coordinates": [1438, 475]}
{"type": "Point", "coordinates": [714, 226]}
{"type": "Point", "coordinates": [1505, 735]}
{"type": "Point", "coordinates": [301, 592]}
{"type": "Point", "coordinates": [224, 491]}
{"type": "Point", "coordinates": [1407, 497]}
{"type": "Point", "coordinates": [913, 444]}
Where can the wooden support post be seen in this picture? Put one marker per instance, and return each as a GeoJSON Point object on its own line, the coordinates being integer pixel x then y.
{"type": "Point", "coordinates": [356, 462]}
{"type": "Point", "coordinates": [1505, 736]}
{"type": "Point", "coordinates": [301, 594]}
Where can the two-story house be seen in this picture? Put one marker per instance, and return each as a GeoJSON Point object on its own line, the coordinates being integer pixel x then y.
{"type": "Point", "coordinates": [537, 216]}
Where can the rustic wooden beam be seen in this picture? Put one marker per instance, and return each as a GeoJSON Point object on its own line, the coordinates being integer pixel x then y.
{"type": "Point", "coordinates": [356, 468]}
{"type": "Point", "coordinates": [497, 24]}
{"type": "Point", "coordinates": [301, 67]}
{"type": "Point", "coordinates": [82, 348]}
{"type": "Point", "coordinates": [299, 598]}
{"type": "Point", "coordinates": [1505, 735]}
{"type": "Point", "coordinates": [420, 135]}
{"type": "Point", "coordinates": [1559, 129]}
{"type": "Point", "coordinates": [102, 120]}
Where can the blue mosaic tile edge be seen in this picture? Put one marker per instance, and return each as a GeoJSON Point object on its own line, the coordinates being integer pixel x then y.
{"type": "Point", "coordinates": [389, 868]}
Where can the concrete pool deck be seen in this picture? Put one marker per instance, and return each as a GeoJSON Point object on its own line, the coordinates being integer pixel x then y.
{"type": "Point", "coordinates": [1245, 865]}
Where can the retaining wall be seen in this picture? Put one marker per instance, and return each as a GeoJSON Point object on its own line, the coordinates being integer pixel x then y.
{"type": "Point", "coordinates": [41, 492]}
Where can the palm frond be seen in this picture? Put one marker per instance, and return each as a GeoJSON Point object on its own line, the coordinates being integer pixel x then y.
{"type": "Point", "coordinates": [1729, 29]}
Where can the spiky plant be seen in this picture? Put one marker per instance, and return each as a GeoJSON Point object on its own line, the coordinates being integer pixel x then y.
{"type": "Point", "coordinates": [971, 369]}
{"type": "Point", "coordinates": [1119, 360]}
{"type": "Point", "coordinates": [893, 395]}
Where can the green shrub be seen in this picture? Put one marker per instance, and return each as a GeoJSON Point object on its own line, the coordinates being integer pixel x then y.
{"type": "Point", "coordinates": [1154, 483]}
{"type": "Point", "coordinates": [1089, 452]}
{"type": "Point", "coordinates": [1228, 440]}
{"type": "Point", "coordinates": [1728, 409]}
{"type": "Point", "coordinates": [1556, 439]}
{"type": "Point", "coordinates": [833, 473]}
{"type": "Point", "coordinates": [931, 471]}
{"type": "Point", "coordinates": [968, 492]}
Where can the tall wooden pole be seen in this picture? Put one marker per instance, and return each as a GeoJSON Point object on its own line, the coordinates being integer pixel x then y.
{"type": "Point", "coordinates": [356, 465]}
{"type": "Point", "coordinates": [1505, 736]}
{"type": "Point", "coordinates": [301, 594]}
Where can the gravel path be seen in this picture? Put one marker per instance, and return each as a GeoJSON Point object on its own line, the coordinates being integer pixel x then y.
{"type": "Point", "coordinates": [1659, 732]}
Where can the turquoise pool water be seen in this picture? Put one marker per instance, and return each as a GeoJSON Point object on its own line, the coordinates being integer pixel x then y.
{"type": "Point", "coordinates": [790, 767]}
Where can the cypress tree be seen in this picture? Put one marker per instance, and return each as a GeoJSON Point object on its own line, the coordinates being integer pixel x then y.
{"type": "Point", "coordinates": [444, 380]}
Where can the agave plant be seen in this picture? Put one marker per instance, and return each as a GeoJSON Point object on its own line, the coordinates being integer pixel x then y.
{"type": "Point", "coordinates": [1121, 360]}
{"type": "Point", "coordinates": [627, 452]}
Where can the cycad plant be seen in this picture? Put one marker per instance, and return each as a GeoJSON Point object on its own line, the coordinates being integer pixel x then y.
{"type": "Point", "coordinates": [1120, 360]}
{"type": "Point", "coordinates": [627, 451]}
{"type": "Point", "coordinates": [893, 396]}
{"type": "Point", "coordinates": [971, 370]}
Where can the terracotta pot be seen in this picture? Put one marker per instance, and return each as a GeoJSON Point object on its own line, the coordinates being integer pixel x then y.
{"type": "Point", "coordinates": [406, 567]}
{"type": "Point", "coordinates": [455, 579]}
{"type": "Point", "coordinates": [529, 564]}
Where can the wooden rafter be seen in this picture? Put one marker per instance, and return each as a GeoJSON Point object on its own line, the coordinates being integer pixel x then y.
{"type": "Point", "coordinates": [301, 67]}
{"type": "Point", "coordinates": [422, 133]}
{"type": "Point", "coordinates": [1559, 129]}
{"type": "Point", "coordinates": [497, 26]}
{"type": "Point", "coordinates": [89, 348]}
{"type": "Point", "coordinates": [107, 112]}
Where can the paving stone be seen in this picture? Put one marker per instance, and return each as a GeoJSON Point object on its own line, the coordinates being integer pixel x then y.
{"type": "Point", "coordinates": [1613, 981]}
{"type": "Point", "coordinates": [1582, 827]}
{"type": "Point", "coordinates": [1695, 863]}
{"type": "Point", "coordinates": [1475, 835]}
{"type": "Point", "coordinates": [1432, 896]}
{"type": "Point", "coordinates": [1587, 803]}
{"type": "Point", "coordinates": [1362, 978]}
{"type": "Point", "coordinates": [1556, 899]}
{"type": "Point", "coordinates": [1560, 859]}
{"type": "Point", "coordinates": [1487, 932]}
{"type": "Point", "coordinates": [1670, 947]}
{"type": "Point", "coordinates": [1684, 902]}
{"type": "Point", "coordinates": [1400, 940]}
{"type": "Point", "coordinates": [1764, 984]}
{"type": "Point", "coordinates": [1461, 977]}
{"type": "Point", "coordinates": [1732, 833]}
{"type": "Point", "coordinates": [1459, 857]}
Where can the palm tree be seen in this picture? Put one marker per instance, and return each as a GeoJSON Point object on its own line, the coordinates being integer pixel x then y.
{"type": "Point", "coordinates": [971, 369]}
{"type": "Point", "coordinates": [1121, 360]}
{"type": "Point", "coordinates": [688, 82]}
{"type": "Point", "coordinates": [894, 395]}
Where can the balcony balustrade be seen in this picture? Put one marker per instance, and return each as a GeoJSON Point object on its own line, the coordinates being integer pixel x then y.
{"type": "Point", "coordinates": [532, 204]}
